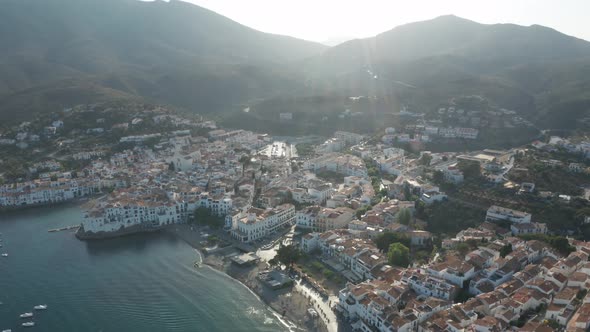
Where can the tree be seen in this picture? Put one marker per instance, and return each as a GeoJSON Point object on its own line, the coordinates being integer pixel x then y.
{"type": "Point", "coordinates": [404, 216]}
{"type": "Point", "coordinates": [286, 255]}
{"type": "Point", "coordinates": [245, 160]}
{"type": "Point", "coordinates": [420, 209]}
{"type": "Point", "coordinates": [398, 255]}
{"type": "Point", "coordinates": [505, 250]}
{"type": "Point", "coordinates": [463, 248]}
{"type": "Point", "coordinates": [407, 193]}
{"type": "Point", "coordinates": [171, 167]}
{"type": "Point", "coordinates": [384, 240]}
{"type": "Point", "coordinates": [425, 159]}
{"type": "Point", "coordinates": [471, 170]}
{"type": "Point", "coordinates": [559, 243]}
{"type": "Point", "coordinates": [438, 177]}
{"type": "Point", "coordinates": [203, 216]}
{"type": "Point", "coordinates": [360, 212]}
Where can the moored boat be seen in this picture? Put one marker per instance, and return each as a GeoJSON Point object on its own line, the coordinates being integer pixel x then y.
{"type": "Point", "coordinates": [40, 307]}
{"type": "Point", "coordinates": [26, 315]}
{"type": "Point", "coordinates": [28, 324]}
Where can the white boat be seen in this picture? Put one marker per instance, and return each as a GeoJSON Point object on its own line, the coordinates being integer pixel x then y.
{"type": "Point", "coordinates": [4, 255]}
{"type": "Point", "coordinates": [9, 330]}
{"type": "Point", "coordinates": [28, 324]}
{"type": "Point", "coordinates": [26, 315]}
{"type": "Point", "coordinates": [40, 307]}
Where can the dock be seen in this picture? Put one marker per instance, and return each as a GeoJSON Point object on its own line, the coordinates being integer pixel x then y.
{"type": "Point", "coordinates": [64, 228]}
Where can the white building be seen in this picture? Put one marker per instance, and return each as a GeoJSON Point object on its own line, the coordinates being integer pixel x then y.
{"type": "Point", "coordinates": [340, 163]}
{"type": "Point", "coordinates": [528, 228]}
{"type": "Point", "coordinates": [496, 213]}
{"type": "Point", "coordinates": [259, 223]}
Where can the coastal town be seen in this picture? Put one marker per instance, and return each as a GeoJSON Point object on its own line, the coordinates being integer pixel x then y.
{"type": "Point", "coordinates": [364, 232]}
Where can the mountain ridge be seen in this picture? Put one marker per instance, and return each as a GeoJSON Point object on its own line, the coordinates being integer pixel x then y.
{"type": "Point", "coordinates": [189, 57]}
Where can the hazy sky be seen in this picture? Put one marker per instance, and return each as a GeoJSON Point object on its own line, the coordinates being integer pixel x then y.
{"type": "Point", "coordinates": [320, 20]}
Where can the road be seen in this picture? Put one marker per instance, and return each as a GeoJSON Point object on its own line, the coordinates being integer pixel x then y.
{"type": "Point", "coordinates": [321, 306]}
{"type": "Point", "coordinates": [508, 168]}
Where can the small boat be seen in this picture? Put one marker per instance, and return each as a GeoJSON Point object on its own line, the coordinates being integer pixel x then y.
{"type": "Point", "coordinates": [9, 330]}
{"type": "Point", "coordinates": [40, 307]}
{"type": "Point", "coordinates": [28, 324]}
{"type": "Point", "coordinates": [4, 255]}
{"type": "Point", "coordinates": [26, 315]}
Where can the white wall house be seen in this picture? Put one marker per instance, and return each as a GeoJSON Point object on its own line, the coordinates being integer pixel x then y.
{"type": "Point", "coordinates": [496, 213]}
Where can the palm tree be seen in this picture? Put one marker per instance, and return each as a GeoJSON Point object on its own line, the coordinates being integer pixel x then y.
{"type": "Point", "coordinates": [245, 160]}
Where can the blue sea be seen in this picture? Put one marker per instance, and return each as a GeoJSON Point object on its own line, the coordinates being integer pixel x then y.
{"type": "Point", "coordinates": [135, 283]}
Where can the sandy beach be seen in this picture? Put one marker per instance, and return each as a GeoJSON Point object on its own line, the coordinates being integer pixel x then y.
{"type": "Point", "coordinates": [290, 304]}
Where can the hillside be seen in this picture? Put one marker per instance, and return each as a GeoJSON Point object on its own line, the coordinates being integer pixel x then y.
{"type": "Point", "coordinates": [494, 46]}
{"type": "Point", "coordinates": [193, 59]}
{"type": "Point", "coordinates": [540, 72]}
{"type": "Point", "coordinates": [173, 52]}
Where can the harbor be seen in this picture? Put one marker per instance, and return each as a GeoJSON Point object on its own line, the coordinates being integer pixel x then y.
{"type": "Point", "coordinates": [109, 285]}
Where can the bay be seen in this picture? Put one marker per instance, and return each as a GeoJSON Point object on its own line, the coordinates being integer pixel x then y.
{"type": "Point", "coordinates": [135, 283]}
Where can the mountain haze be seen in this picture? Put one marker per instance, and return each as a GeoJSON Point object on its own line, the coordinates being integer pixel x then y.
{"type": "Point", "coordinates": [172, 52]}
{"type": "Point", "coordinates": [57, 53]}
{"type": "Point", "coordinates": [533, 70]}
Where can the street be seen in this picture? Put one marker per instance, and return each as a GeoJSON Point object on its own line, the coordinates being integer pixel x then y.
{"type": "Point", "coordinates": [322, 306]}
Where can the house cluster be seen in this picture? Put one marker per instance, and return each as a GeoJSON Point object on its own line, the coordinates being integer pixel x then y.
{"type": "Point", "coordinates": [44, 192]}
{"type": "Point", "coordinates": [345, 164]}
{"type": "Point", "coordinates": [520, 222]}
{"type": "Point", "coordinates": [340, 140]}
{"type": "Point", "coordinates": [506, 288]}
{"type": "Point", "coordinates": [444, 132]}
{"type": "Point", "coordinates": [488, 116]}
{"type": "Point", "coordinates": [581, 146]}
{"type": "Point", "coordinates": [427, 133]}
{"type": "Point", "coordinates": [346, 243]}
{"type": "Point", "coordinates": [407, 184]}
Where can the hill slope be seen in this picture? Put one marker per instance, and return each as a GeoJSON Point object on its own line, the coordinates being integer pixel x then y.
{"type": "Point", "coordinates": [167, 51]}
{"type": "Point", "coordinates": [535, 70]}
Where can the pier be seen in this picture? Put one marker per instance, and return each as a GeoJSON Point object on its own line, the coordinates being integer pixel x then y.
{"type": "Point", "coordinates": [64, 228]}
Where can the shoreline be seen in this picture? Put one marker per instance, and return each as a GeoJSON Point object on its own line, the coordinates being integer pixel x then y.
{"type": "Point", "coordinates": [76, 201]}
{"type": "Point", "coordinates": [293, 303]}
{"type": "Point", "coordinates": [286, 322]}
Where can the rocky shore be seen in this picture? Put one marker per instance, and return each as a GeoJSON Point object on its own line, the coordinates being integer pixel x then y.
{"type": "Point", "coordinates": [289, 304]}
{"type": "Point", "coordinates": [81, 234]}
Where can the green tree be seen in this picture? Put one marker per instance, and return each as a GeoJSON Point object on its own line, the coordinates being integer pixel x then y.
{"type": "Point", "coordinates": [463, 248]}
{"type": "Point", "coordinates": [286, 255]}
{"type": "Point", "coordinates": [505, 250]}
{"type": "Point", "coordinates": [471, 170]}
{"type": "Point", "coordinates": [404, 216]}
{"type": "Point", "coordinates": [425, 159]}
{"type": "Point", "coordinates": [171, 167]}
{"type": "Point", "coordinates": [203, 216]}
{"type": "Point", "coordinates": [384, 240]}
{"type": "Point", "coordinates": [438, 177]}
{"type": "Point", "coordinates": [398, 255]}
{"type": "Point", "coordinates": [559, 243]}
{"type": "Point", "coordinates": [245, 160]}
{"type": "Point", "coordinates": [360, 212]}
